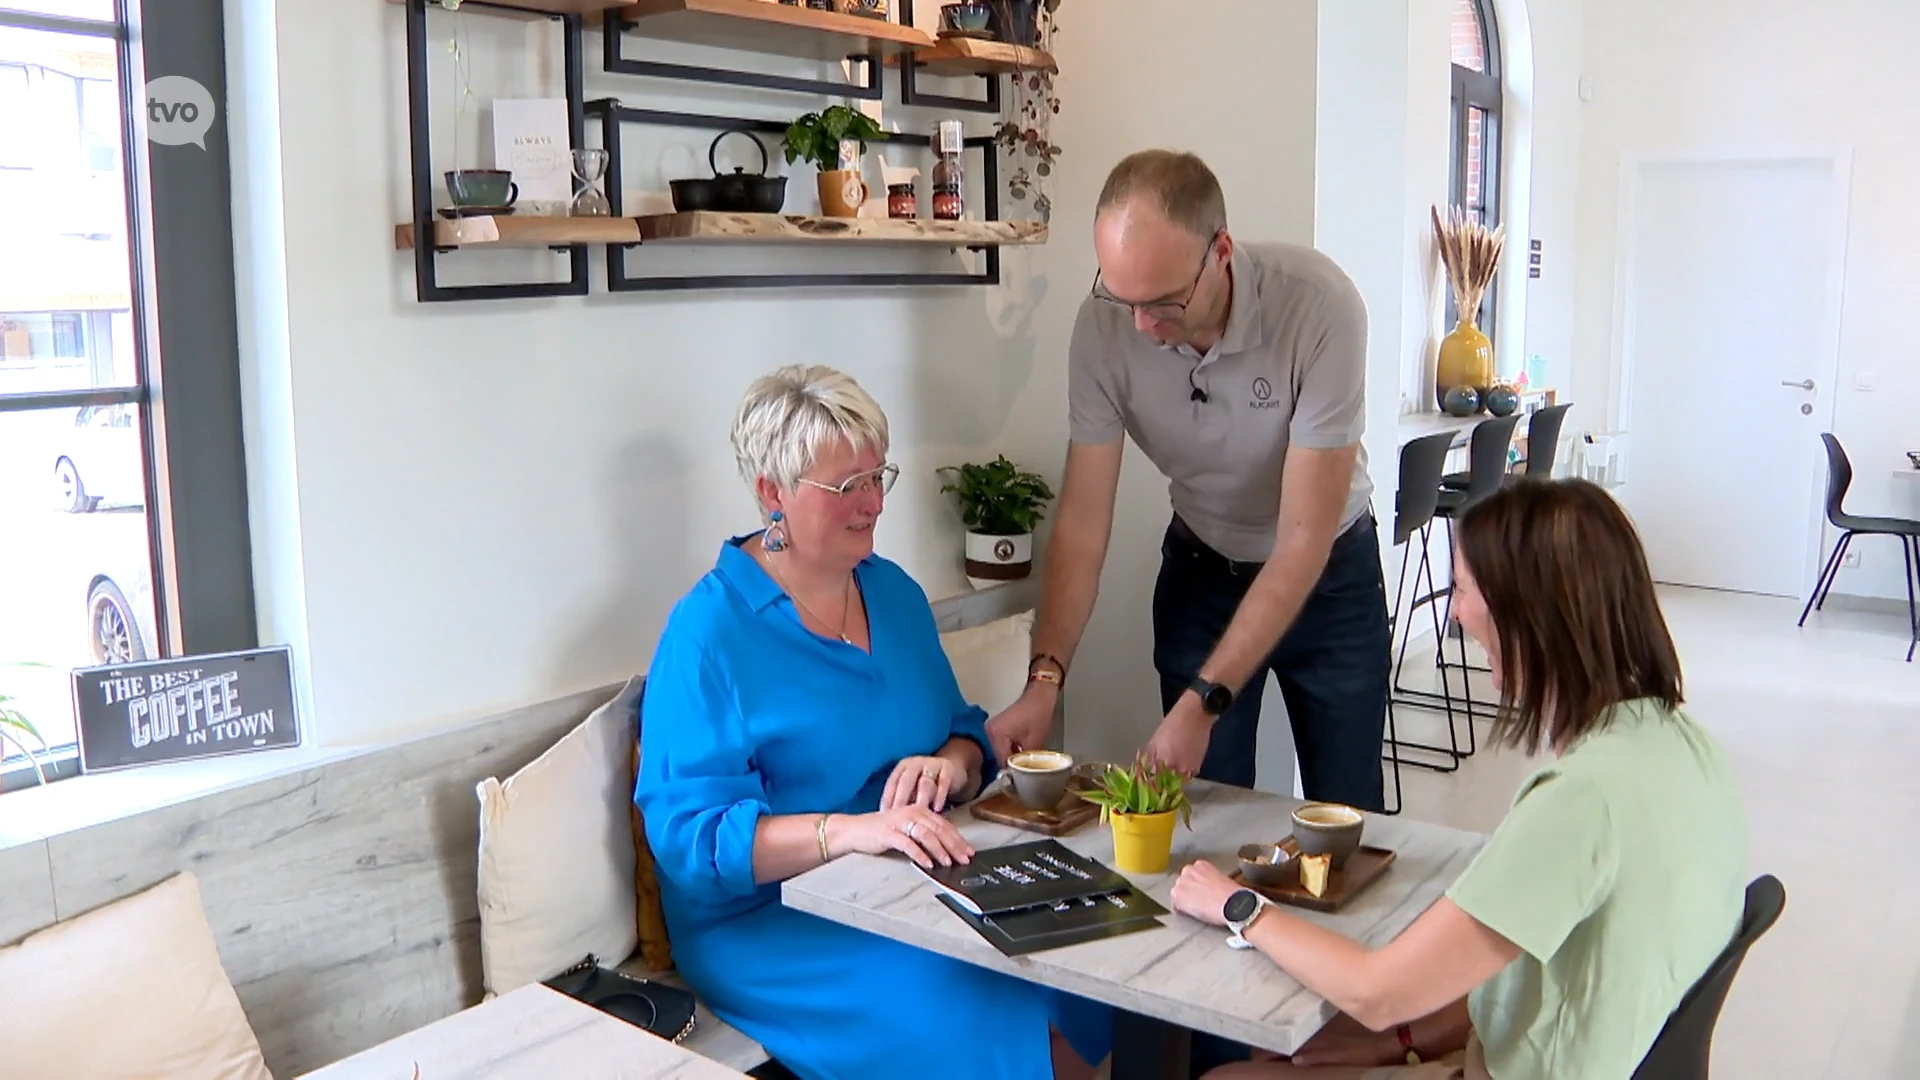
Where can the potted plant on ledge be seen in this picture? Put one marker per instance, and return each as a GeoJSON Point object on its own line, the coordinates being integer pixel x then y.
{"type": "Point", "coordinates": [1141, 805]}
{"type": "Point", "coordinates": [1001, 505]}
{"type": "Point", "coordinates": [834, 141]}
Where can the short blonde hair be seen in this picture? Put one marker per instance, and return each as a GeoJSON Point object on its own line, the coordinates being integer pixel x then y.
{"type": "Point", "coordinates": [1179, 185]}
{"type": "Point", "coordinates": [789, 416]}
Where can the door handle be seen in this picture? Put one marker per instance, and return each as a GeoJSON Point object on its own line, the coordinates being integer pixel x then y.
{"type": "Point", "coordinates": [1804, 384]}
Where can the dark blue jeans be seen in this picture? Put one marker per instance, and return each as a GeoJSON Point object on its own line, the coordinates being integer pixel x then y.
{"type": "Point", "coordinates": [1332, 663]}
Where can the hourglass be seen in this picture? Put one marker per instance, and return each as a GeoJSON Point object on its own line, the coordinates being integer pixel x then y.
{"type": "Point", "coordinates": [590, 168]}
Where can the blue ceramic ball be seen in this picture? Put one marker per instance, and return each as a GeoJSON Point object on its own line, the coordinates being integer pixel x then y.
{"type": "Point", "coordinates": [1461, 401]}
{"type": "Point", "coordinates": [1502, 400]}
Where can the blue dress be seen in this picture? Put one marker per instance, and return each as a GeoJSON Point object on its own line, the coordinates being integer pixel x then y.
{"type": "Point", "coordinates": [747, 713]}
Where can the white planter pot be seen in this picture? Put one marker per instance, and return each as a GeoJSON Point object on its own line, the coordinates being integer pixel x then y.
{"type": "Point", "coordinates": [994, 559]}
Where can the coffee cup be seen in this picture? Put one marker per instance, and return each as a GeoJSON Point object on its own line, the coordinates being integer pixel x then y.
{"type": "Point", "coordinates": [1328, 829]}
{"type": "Point", "coordinates": [1040, 777]}
{"type": "Point", "coordinates": [482, 187]}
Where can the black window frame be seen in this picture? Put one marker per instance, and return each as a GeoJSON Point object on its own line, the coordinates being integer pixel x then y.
{"type": "Point", "coordinates": [186, 339]}
{"type": "Point", "coordinates": [1486, 91]}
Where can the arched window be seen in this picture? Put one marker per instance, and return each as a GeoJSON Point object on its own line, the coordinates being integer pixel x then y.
{"type": "Point", "coordinates": [1476, 123]}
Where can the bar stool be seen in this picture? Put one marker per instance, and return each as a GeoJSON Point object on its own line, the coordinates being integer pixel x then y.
{"type": "Point", "coordinates": [1487, 471]}
{"type": "Point", "coordinates": [1543, 433]}
{"type": "Point", "coordinates": [1422, 462]}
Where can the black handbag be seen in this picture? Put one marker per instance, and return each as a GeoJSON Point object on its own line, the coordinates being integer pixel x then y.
{"type": "Point", "coordinates": [658, 1009]}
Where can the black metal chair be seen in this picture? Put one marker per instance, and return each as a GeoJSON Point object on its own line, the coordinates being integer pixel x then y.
{"type": "Point", "coordinates": [1487, 470]}
{"type": "Point", "coordinates": [1543, 447]}
{"type": "Point", "coordinates": [1685, 1044]}
{"type": "Point", "coordinates": [1906, 530]}
{"type": "Point", "coordinates": [1422, 462]}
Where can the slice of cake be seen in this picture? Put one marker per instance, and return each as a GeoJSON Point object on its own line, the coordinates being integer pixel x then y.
{"type": "Point", "coordinates": [1313, 872]}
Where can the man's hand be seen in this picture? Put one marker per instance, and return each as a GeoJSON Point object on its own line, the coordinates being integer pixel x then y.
{"type": "Point", "coordinates": [1025, 724]}
{"type": "Point", "coordinates": [1180, 743]}
{"type": "Point", "coordinates": [1201, 892]}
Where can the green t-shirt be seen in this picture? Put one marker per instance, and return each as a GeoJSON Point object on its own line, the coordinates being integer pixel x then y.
{"type": "Point", "coordinates": [1620, 872]}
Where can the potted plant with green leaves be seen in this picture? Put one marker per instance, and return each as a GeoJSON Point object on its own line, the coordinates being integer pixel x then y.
{"type": "Point", "coordinates": [1001, 504]}
{"type": "Point", "coordinates": [14, 725]}
{"type": "Point", "coordinates": [1026, 135]}
{"type": "Point", "coordinates": [834, 141]}
{"type": "Point", "coordinates": [1141, 804]}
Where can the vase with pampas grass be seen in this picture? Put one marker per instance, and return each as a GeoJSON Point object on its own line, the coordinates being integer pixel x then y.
{"type": "Point", "coordinates": [1470, 252]}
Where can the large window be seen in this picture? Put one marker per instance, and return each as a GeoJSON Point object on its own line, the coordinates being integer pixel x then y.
{"type": "Point", "coordinates": [1476, 124]}
{"type": "Point", "coordinates": [122, 544]}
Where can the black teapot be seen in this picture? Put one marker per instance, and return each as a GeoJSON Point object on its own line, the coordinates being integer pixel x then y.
{"type": "Point", "coordinates": [737, 193]}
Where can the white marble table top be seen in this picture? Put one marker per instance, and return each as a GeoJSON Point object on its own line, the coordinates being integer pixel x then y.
{"type": "Point", "coordinates": [532, 1032]}
{"type": "Point", "coordinates": [1183, 972]}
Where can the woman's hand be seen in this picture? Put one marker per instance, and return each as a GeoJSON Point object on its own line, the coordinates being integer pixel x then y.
{"type": "Point", "coordinates": [914, 831]}
{"type": "Point", "coordinates": [1345, 1041]}
{"type": "Point", "coordinates": [1202, 892]}
{"type": "Point", "coordinates": [924, 781]}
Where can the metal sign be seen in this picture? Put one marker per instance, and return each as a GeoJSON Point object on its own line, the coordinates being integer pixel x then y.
{"type": "Point", "coordinates": [185, 708]}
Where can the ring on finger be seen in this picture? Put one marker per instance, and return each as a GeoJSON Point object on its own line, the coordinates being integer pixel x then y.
{"type": "Point", "coordinates": [909, 829]}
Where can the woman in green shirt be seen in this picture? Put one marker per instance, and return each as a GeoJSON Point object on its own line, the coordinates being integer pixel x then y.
{"type": "Point", "coordinates": [1618, 874]}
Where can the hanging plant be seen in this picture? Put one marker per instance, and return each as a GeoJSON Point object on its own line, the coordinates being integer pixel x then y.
{"type": "Point", "coordinates": [1027, 136]}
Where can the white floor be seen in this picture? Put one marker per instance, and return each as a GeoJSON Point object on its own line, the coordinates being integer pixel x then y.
{"type": "Point", "coordinates": [1823, 725]}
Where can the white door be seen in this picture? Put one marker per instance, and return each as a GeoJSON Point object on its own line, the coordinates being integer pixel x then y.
{"type": "Point", "coordinates": [1730, 328]}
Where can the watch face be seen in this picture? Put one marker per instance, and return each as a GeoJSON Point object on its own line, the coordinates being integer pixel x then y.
{"type": "Point", "coordinates": [1219, 699]}
{"type": "Point", "coordinates": [1241, 906]}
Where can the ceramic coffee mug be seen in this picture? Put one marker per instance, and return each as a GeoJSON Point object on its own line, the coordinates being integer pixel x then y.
{"type": "Point", "coordinates": [1040, 777]}
{"type": "Point", "coordinates": [842, 193]}
{"type": "Point", "coordinates": [482, 187]}
{"type": "Point", "coordinates": [1328, 828]}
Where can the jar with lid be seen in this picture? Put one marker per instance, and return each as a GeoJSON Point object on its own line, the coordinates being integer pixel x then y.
{"type": "Point", "coordinates": [949, 178]}
{"type": "Point", "coordinates": [902, 202]}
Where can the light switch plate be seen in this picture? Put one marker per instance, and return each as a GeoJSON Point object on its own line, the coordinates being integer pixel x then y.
{"type": "Point", "coordinates": [1864, 380]}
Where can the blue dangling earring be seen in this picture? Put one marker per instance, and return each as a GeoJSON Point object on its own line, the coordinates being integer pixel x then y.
{"type": "Point", "coordinates": [776, 538]}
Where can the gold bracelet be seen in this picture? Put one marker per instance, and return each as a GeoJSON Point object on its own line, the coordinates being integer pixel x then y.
{"type": "Point", "coordinates": [820, 832]}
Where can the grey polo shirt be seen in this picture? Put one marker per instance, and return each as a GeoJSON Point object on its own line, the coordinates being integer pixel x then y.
{"type": "Point", "coordinates": [1291, 369]}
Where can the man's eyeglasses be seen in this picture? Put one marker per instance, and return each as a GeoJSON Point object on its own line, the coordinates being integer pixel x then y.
{"type": "Point", "coordinates": [880, 479]}
{"type": "Point", "coordinates": [1165, 310]}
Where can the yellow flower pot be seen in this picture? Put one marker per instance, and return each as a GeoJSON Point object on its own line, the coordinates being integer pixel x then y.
{"type": "Point", "coordinates": [1142, 843]}
{"type": "Point", "coordinates": [1466, 359]}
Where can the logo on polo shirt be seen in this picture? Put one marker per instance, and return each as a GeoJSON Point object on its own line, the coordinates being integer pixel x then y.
{"type": "Point", "coordinates": [1263, 395]}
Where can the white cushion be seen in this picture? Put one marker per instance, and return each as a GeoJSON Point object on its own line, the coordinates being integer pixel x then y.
{"type": "Point", "coordinates": [130, 990]}
{"type": "Point", "coordinates": [556, 854]}
{"type": "Point", "coordinates": [991, 661]}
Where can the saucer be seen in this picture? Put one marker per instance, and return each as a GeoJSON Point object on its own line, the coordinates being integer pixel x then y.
{"type": "Point", "coordinates": [977, 35]}
{"type": "Point", "coordinates": [474, 211]}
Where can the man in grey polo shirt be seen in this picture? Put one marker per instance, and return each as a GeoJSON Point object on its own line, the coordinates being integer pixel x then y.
{"type": "Point", "coordinates": [1239, 369]}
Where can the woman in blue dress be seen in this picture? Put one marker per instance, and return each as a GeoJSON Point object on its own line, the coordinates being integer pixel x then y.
{"type": "Point", "coordinates": [800, 707]}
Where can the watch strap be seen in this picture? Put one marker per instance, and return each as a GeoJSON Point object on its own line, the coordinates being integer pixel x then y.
{"type": "Point", "coordinates": [1047, 669]}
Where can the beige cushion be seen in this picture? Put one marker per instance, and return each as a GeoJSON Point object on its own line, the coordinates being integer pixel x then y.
{"type": "Point", "coordinates": [991, 661]}
{"type": "Point", "coordinates": [130, 990]}
{"type": "Point", "coordinates": [556, 854]}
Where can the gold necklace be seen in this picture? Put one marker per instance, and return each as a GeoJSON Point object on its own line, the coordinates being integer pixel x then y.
{"type": "Point", "coordinates": [846, 601]}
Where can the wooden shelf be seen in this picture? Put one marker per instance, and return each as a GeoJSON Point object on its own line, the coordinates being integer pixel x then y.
{"type": "Point", "coordinates": [765, 26]}
{"type": "Point", "coordinates": [708, 227]}
{"type": "Point", "coordinates": [514, 231]}
{"type": "Point", "coordinates": [550, 7]}
{"type": "Point", "coordinates": [973, 56]}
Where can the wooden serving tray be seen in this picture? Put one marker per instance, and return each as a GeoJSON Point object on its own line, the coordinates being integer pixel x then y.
{"type": "Point", "coordinates": [1070, 815]}
{"type": "Point", "coordinates": [1363, 868]}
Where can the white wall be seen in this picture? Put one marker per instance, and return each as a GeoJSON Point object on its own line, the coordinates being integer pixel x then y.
{"type": "Point", "coordinates": [1761, 75]}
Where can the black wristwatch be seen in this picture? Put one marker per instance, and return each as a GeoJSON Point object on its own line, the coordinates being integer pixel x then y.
{"type": "Point", "coordinates": [1214, 698]}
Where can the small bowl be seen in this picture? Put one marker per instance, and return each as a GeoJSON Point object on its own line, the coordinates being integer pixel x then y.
{"type": "Point", "coordinates": [1265, 864]}
{"type": "Point", "coordinates": [972, 16]}
{"type": "Point", "coordinates": [1328, 828]}
{"type": "Point", "coordinates": [690, 195]}
{"type": "Point", "coordinates": [1040, 777]}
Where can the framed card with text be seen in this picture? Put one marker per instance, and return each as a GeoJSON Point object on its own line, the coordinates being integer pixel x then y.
{"type": "Point", "coordinates": [186, 708]}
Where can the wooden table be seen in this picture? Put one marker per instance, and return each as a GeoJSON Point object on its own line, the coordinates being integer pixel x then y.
{"type": "Point", "coordinates": [532, 1032]}
{"type": "Point", "coordinates": [1182, 973]}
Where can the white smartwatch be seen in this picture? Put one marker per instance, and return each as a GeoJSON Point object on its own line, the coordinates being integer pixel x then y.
{"type": "Point", "coordinates": [1240, 911]}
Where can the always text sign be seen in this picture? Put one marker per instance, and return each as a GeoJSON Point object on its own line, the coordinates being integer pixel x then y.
{"type": "Point", "coordinates": [182, 709]}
